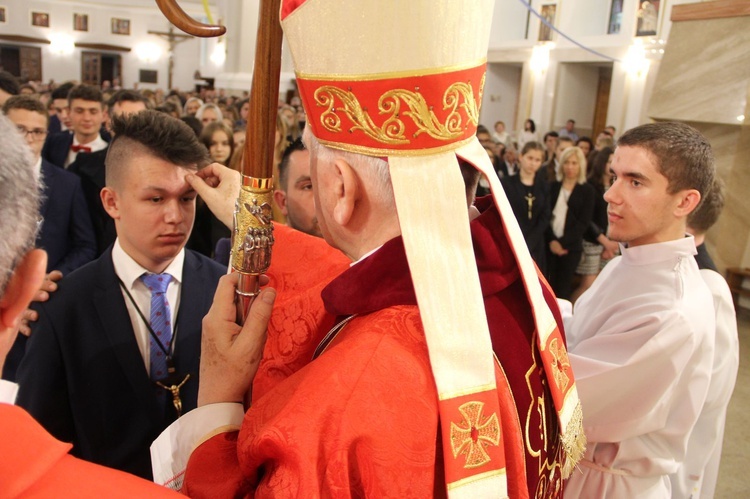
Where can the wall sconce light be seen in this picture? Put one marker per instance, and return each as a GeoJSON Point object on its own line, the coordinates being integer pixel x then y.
{"type": "Point", "coordinates": [148, 52]}
{"type": "Point", "coordinates": [540, 58]}
{"type": "Point", "coordinates": [219, 54]}
{"type": "Point", "coordinates": [61, 44]}
{"type": "Point", "coordinates": [635, 62]}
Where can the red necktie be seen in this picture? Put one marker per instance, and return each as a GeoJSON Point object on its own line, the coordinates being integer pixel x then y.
{"type": "Point", "coordinates": [80, 148]}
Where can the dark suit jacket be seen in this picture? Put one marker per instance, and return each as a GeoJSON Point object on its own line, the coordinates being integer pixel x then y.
{"type": "Point", "coordinates": [83, 377]}
{"type": "Point", "coordinates": [57, 147]}
{"type": "Point", "coordinates": [90, 168]}
{"type": "Point", "coordinates": [580, 211]}
{"type": "Point", "coordinates": [66, 235]}
{"type": "Point", "coordinates": [533, 229]}
{"type": "Point", "coordinates": [54, 125]}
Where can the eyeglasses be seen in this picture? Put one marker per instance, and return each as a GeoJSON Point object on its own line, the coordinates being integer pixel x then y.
{"type": "Point", "coordinates": [36, 133]}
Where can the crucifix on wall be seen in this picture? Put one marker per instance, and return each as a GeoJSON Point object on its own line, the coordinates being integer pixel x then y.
{"type": "Point", "coordinates": [173, 39]}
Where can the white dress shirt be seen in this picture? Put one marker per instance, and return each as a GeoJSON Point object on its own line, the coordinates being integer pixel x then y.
{"type": "Point", "coordinates": [95, 145]}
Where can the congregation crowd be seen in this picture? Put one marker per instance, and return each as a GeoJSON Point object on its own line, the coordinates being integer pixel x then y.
{"type": "Point", "coordinates": [605, 363]}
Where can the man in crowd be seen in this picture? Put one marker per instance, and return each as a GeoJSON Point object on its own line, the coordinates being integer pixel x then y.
{"type": "Point", "coordinates": [86, 110]}
{"type": "Point", "coordinates": [641, 339]}
{"type": "Point", "coordinates": [90, 167]}
{"type": "Point", "coordinates": [698, 475]}
{"type": "Point", "coordinates": [437, 419]}
{"type": "Point", "coordinates": [60, 120]}
{"type": "Point", "coordinates": [550, 145]}
{"type": "Point", "coordinates": [295, 196]}
{"type": "Point", "coordinates": [32, 462]}
{"type": "Point", "coordinates": [66, 233]}
{"type": "Point", "coordinates": [113, 358]}
{"type": "Point", "coordinates": [569, 130]}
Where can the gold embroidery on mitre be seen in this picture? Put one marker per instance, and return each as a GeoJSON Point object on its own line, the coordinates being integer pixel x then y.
{"type": "Point", "coordinates": [559, 364]}
{"type": "Point", "coordinates": [458, 99]}
{"type": "Point", "coordinates": [475, 436]}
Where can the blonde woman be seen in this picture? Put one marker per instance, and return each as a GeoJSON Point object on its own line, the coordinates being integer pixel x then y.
{"type": "Point", "coordinates": [572, 203]}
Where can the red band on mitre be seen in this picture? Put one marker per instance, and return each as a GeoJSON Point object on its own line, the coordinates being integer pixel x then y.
{"type": "Point", "coordinates": [394, 115]}
{"type": "Point", "coordinates": [472, 436]}
{"type": "Point", "coordinates": [289, 6]}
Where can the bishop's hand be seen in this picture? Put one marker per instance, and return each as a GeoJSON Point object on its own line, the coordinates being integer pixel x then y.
{"type": "Point", "coordinates": [231, 354]}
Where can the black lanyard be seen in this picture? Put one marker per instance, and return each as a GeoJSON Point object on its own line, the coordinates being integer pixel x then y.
{"type": "Point", "coordinates": [174, 381]}
{"type": "Point", "coordinates": [168, 349]}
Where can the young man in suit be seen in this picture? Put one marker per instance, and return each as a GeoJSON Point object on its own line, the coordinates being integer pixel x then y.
{"type": "Point", "coordinates": [32, 462]}
{"type": "Point", "coordinates": [86, 113]}
{"type": "Point", "coordinates": [124, 329]}
{"type": "Point", "coordinates": [66, 233]}
{"type": "Point", "coordinates": [90, 167]}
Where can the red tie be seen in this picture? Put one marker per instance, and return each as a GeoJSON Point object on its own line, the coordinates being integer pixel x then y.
{"type": "Point", "coordinates": [80, 148]}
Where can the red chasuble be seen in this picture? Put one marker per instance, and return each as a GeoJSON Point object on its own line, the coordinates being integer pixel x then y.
{"type": "Point", "coordinates": [35, 464]}
{"type": "Point", "coordinates": [362, 418]}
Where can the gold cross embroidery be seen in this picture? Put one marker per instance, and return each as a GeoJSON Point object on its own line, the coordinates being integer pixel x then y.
{"type": "Point", "coordinates": [560, 364]}
{"type": "Point", "coordinates": [475, 436]}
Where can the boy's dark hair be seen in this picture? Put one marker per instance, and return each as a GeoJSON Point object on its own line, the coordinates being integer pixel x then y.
{"type": "Point", "coordinates": [682, 154]}
{"type": "Point", "coordinates": [9, 83]}
{"type": "Point", "coordinates": [26, 102]}
{"type": "Point", "coordinates": [160, 135]}
{"type": "Point", "coordinates": [127, 96]}
{"type": "Point", "coordinates": [705, 216]}
{"type": "Point", "coordinates": [296, 145]}
{"type": "Point", "coordinates": [62, 91]}
{"type": "Point", "coordinates": [549, 134]}
{"type": "Point", "coordinates": [85, 92]}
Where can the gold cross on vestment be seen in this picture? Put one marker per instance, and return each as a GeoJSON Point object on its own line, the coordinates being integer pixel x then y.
{"type": "Point", "coordinates": [473, 438]}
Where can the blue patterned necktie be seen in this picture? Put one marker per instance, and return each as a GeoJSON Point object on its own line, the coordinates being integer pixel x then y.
{"type": "Point", "coordinates": [161, 322]}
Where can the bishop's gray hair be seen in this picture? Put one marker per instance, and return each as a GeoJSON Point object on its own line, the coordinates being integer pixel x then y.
{"type": "Point", "coordinates": [376, 169]}
{"type": "Point", "coordinates": [19, 199]}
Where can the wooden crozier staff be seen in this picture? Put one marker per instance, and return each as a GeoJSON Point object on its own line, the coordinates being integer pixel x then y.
{"type": "Point", "coordinates": [252, 238]}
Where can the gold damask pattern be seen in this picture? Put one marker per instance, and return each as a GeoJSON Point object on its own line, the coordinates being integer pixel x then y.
{"type": "Point", "coordinates": [458, 100]}
{"type": "Point", "coordinates": [473, 438]}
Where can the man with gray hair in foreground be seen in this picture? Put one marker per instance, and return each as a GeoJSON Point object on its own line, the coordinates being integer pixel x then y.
{"type": "Point", "coordinates": [32, 462]}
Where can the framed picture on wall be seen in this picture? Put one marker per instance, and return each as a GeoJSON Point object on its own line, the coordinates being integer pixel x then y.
{"type": "Point", "coordinates": [40, 19]}
{"type": "Point", "coordinates": [615, 17]}
{"type": "Point", "coordinates": [647, 18]}
{"type": "Point", "coordinates": [148, 76]}
{"type": "Point", "coordinates": [3, 15]}
{"type": "Point", "coordinates": [548, 19]}
{"type": "Point", "coordinates": [81, 22]}
{"type": "Point", "coordinates": [120, 26]}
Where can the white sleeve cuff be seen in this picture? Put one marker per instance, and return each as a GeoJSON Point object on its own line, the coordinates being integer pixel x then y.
{"type": "Point", "coordinates": [171, 451]}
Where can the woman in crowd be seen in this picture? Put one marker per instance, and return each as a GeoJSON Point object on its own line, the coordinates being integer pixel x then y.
{"type": "Point", "coordinates": [597, 247]}
{"type": "Point", "coordinates": [528, 134]}
{"type": "Point", "coordinates": [209, 113]}
{"type": "Point", "coordinates": [572, 202]}
{"type": "Point", "coordinates": [529, 198]}
{"type": "Point", "coordinates": [219, 140]}
{"type": "Point", "coordinates": [191, 106]}
{"type": "Point", "coordinates": [586, 145]}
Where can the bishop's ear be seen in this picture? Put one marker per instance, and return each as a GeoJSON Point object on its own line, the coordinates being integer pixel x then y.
{"type": "Point", "coordinates": [346, 191]}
